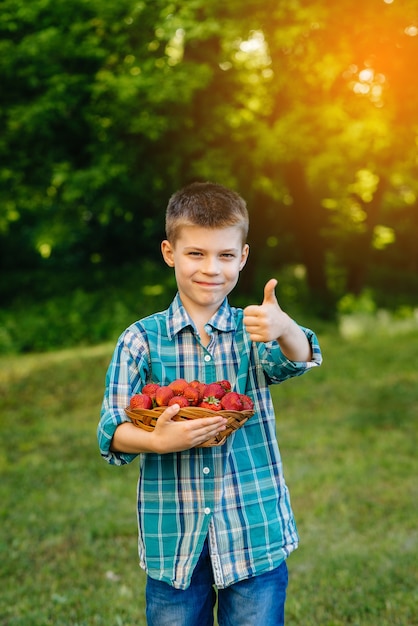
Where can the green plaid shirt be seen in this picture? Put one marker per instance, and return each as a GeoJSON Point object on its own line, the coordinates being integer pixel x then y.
{"type": "Point", "coordinates": [234, 494]}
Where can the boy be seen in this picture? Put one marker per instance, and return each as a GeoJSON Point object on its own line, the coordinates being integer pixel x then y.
{"type": "Point", "coordinates": [215, 517]}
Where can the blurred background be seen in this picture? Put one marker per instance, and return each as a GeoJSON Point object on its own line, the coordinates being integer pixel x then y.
{"type": "Point", "coordinates": [308, 109]}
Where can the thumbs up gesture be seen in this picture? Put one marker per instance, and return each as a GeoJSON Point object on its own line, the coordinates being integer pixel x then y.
{"type": "Point", "coordinates": [267, 321]}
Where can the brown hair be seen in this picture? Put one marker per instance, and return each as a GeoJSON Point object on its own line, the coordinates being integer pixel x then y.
{"type": "Point", "coordinates": [209, 205]}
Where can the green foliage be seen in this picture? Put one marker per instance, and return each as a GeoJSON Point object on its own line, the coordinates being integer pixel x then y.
{"type": "Point", "coordinates": [357, 304]}
{"type": "Point", "coordinates": [347, 434]}
{"type": "Point", "coordinates": [106, 108]}
{"type": "Point", "coordinates": [63, 321]}
{"type": "Point", "coordinates": [77, 316]}
{"type": "Point", "coordinates": [81, 164]}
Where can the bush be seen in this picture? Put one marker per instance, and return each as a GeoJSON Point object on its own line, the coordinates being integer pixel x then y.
{"type": "Point", "coordinates": [81, 317]}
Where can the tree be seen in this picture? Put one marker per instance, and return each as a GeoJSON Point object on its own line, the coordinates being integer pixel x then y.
{"type": "Point", "coordinates": [109, 107]}
{"type": "Point", "coordinates": [342, 117]}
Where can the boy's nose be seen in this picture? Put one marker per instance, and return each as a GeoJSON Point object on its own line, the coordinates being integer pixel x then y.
{"type": "Point", "coordinates": [211, 266]}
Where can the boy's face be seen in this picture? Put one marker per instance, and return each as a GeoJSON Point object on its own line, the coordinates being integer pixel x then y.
{"type": "Point", "coordinates": [207, 263]}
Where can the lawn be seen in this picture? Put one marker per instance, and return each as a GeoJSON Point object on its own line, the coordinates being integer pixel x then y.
{"type": "Point", "coordinates": [348, 435]}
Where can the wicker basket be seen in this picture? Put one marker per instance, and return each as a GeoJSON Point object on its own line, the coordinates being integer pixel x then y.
{"type": "Point", "coordinates": [146, 419]}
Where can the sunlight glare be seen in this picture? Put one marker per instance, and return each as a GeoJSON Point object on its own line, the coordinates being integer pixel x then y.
{"type": "Point", "coordinates": [411, 31]}
{"type": "Point", "coordinates": [254, 43]}
{"type": "Point", "coordinates": [368, 83]}
{"type": "Point", "coordinates": [366, 75]}
{"type": "Point", "coordinates": [361, 88]}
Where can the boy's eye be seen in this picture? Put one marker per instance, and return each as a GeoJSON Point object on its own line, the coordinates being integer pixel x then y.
{"type": "Point", "coordinates": [223, 255]}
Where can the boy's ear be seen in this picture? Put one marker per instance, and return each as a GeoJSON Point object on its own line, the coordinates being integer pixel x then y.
{"type": "Point", "coordinates": [244, 256]}
{"type": "Point", "coordinates": [167, 252]}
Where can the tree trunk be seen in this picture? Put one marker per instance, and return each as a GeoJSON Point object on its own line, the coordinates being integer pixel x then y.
{"type": "Point", "coordinates": [358, 265]}
{"type": "Point", "coordinates": [308, 219]}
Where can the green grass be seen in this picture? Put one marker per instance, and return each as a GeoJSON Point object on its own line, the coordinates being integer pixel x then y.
{"type": "Point", "coordinates": [349, 444]}
{"type": "Point", "coordinates": [348, 436]}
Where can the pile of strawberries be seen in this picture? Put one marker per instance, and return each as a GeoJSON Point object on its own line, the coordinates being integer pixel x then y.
{"type": "Point", "coordinates": [214, 396]}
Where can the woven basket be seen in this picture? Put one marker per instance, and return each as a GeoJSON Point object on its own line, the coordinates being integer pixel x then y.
{"type": "Point", "coordinates": [146, 419]}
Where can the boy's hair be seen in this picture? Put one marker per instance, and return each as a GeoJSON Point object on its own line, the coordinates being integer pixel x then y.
{"type": "Point", "coordinates": [209, 205]}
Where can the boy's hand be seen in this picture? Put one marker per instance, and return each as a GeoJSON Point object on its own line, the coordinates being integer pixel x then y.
{"type": "Point", "coordinates": [267, 321]}
{"type": "Point", "coordinates": [172, 436]}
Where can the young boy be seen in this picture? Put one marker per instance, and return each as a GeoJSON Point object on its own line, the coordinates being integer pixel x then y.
{"type": "Point", "coordinates": [217, 517]}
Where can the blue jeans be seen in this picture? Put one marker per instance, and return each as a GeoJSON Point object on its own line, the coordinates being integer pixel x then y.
{"type": "Point", "coordinates": [257, 601]}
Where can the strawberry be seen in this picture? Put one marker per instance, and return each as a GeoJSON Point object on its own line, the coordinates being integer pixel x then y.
{"type": "Point", "coordinates": [247, 402]}
{"type": "Point", "coordinates": [178, 386]}
{"type": "Point", "coordinates": [192, 395]}
{"type": "Point", "coordinates": [231, 401]}
{"type": "Point", "coordinates": [180, 400]}
{"type": "Point", "coordinates": [225, 384]}
{"type": "Point", "coordinates": [150, 389]}
{"type": "Point", "coordinates": [211, 403]}
{"type": "Point", "coordinates": [214, 389]}
{"type": "Point", "coordinates": [140, 401]}
{"type": "Point", "coordinates": [163, 395]}
{"type": "Point", "coordinates": [196, 384]}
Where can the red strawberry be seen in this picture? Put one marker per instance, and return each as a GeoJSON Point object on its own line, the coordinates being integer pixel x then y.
{"type": "Point", "coordinates": [178, 386]}
{"type": "Point", "coordinates": [180, 400]}
{"type": "Point", "coordinates": [214, 389]}
{"type": "Point", "coordinates": [196, 384]}
{"type": "Point", "coordinates": [225, 384]}
{"type": "Point", "coordinates": [232, 401]}
{"type": "Point", "coordinates": [192, 395]}
{"type": "Point", "coordinates": [211, 403]}
{"type": "Point", "coordinates": [163, 395]}
{"type": "Point", "coordinates": [247, 402]}
{"type": "Point", "coordinates": [150, 389]}
{"type": "Point", "coordinates": [140, 401]}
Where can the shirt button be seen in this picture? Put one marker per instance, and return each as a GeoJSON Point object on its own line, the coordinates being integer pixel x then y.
{"type": "Point", "coordinates": [207, 510]}
{"type": "Point", "coordinates": [206, 470]}
{"type": "Point", "coordinates": [207, 357]}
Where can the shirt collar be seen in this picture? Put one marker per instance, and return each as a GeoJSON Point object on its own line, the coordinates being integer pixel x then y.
{"type": "Point", "coordinates": [178, 318]}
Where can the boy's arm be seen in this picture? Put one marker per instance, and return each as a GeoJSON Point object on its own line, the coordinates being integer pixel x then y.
{"type": "Point", "coordinates": [168, 435]}
{"type": "Point", "coordinates": [268, 322]}
{"type": "Point", "coordinates": [119, 440]}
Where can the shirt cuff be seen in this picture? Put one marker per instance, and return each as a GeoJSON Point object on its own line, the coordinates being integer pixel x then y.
{"type": "Point", "coordinates": [105, 432]}
{"type": "Point", "coordinates": [285, 368]}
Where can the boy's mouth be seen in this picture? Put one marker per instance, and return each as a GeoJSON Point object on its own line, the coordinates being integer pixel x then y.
{"type": "Point", "coordinates": [204, 283]}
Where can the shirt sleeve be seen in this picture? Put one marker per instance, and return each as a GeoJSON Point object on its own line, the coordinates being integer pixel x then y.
{"type": "Point", "coordinates": [126, 375]}
{"type": "Point", "coordinates": [279, 368]}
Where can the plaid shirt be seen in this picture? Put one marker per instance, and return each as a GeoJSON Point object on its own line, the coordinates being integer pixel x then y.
{"type": "Point", "coordinates": [234, 494]}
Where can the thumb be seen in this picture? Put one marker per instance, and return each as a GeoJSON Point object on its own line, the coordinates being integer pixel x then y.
{"type": "Point", "coordinates": [169, 413]}
{"type": "Point", "coordinates": [269, 293]}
